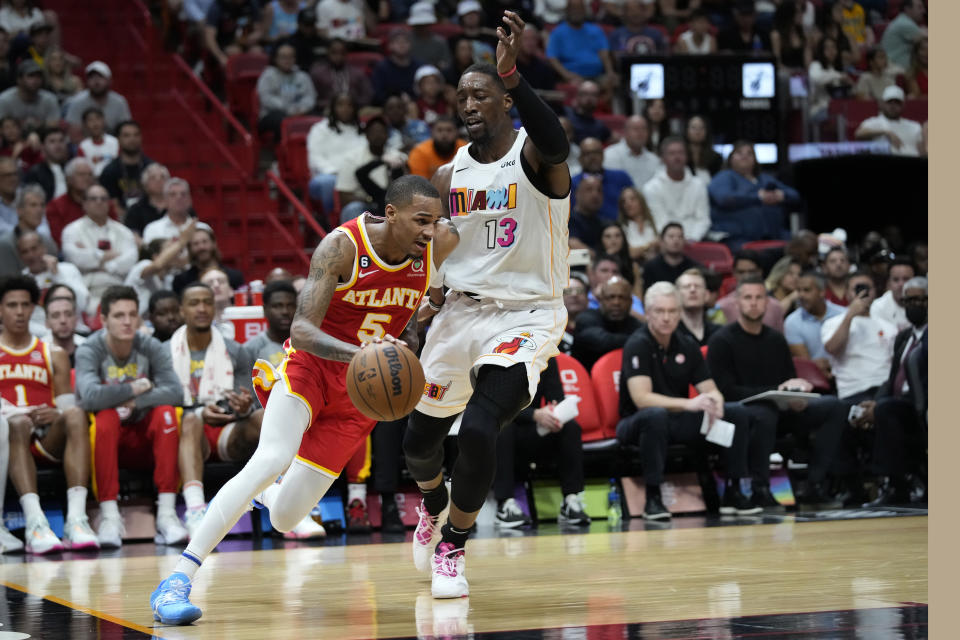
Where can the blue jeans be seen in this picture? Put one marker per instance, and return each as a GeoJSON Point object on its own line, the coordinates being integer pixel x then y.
{"type": "Point", "coordinates": [321, 189]}
{"type": "Point", "coordinates": [352, 210]}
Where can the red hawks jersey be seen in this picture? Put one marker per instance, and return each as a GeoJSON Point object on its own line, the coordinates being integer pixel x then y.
{"type": "Point", "coordinates": [379, 298]}
{"type": "Point", "coordinates": [26, 377]}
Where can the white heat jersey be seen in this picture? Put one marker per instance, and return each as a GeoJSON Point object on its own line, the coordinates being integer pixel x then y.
{"type": "Point", "coordinates": [513, 238]}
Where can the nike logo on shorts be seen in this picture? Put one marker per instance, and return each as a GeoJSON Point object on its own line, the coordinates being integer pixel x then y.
{"type": "Point", "coordinates": [170, 430]}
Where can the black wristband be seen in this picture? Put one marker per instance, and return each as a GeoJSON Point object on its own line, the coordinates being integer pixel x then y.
{"type": "Point", "coordinates": [541, 123]}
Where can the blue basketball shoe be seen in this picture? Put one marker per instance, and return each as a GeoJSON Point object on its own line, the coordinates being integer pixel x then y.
{"type": "Point", "coordinates": [171, 601]}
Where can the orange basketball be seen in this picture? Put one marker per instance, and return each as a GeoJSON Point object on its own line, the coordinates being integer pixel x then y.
{"type": "Point", "coordinates": [385, 381]}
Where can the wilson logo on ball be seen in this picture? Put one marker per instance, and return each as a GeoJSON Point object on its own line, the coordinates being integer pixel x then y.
{"type": "Point", "coordinates": [395, 366]}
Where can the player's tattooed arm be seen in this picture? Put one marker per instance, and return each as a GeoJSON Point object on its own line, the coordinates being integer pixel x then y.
{"type": "Point", "coordinates": [332, 262]}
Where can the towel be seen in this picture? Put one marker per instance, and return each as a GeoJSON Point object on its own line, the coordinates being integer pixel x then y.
{"type": "Point", "coordinates": [217, 376]}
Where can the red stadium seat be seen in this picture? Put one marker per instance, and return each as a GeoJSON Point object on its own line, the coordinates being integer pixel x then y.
{"type": "Point", "coordinates": [576, 382]}
{"type": "Point", "coordinates": [810, 372]}
{"type": "Point", "coordinates": [446, 29]}
{"type": "Point", "coordinates": [292, 151]}
{"type": "Point", "coordinates": [242, 72]}
{"type": "Point", "coordinates": [615, 122]}
{"type": "Point", "coordinates": [365, 60]}
{"type": "Point", "coordinates": [605, 376]}
{"type": "Point", "coordinates": [713, 255]}
{"type": "Point", "coordinates": [728, 285]}
{"type": "Point", "coordinates": [693, 390]}
{"type": "Point", "coordinates": [763, 245]}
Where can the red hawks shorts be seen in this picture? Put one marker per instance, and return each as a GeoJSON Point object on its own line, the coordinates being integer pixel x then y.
{"type": "Point", "coordinates": [336, 428]}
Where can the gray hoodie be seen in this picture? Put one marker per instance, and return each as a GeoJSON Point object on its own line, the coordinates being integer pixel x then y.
{"type": "Point", "coordinates": [287, 92]}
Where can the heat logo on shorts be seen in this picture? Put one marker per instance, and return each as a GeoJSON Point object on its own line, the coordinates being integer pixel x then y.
{"type": "Point", "coordinates": [509, 345]}
{"type": "Point", "coordinates": [435, 391]}
{"type": "Point", "coordinates": [463, 200]}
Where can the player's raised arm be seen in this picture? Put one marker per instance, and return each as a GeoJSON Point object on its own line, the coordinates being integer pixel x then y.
{"type": "Point", "coordinates": [547, 147]}
{"type": "Point", "coordinates": [332, 262]}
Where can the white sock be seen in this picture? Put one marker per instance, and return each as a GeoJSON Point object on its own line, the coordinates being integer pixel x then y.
{"type": "Point", "coordinates": [193, 495]}
{"type": "Point", "coordinates": [356, 491]}
{"type": "Point", "coordinates": [166, 503]}
{"type": "Point", "coordinates": [30, 503]}
{"type": "Point", "coordinates": [76, 502]}
{"type": "Point", "coordinates": [109, 509]}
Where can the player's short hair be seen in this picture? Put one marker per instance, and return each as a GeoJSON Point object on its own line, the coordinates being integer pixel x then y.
{"type": "Point", "coordinates": [196, 284]}
{"type": "Point", "coordinates": [401, 191]}
{"type": "Point", "coordinates": [159, 296]}
{"type": "Point", "coordinates": [277, 286]}
{"type": "Point", "coordinates": [20, 283]}
{"type": "Point", "coordinates": [115, 293]}
{"type": "Point", "coordinates": [486, 69]}
{"type": "Point", "coordinates": [60, 292]}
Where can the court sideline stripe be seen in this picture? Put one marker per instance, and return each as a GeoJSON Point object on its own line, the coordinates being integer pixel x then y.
{"type": "Point", "coordinates": [93, 612]}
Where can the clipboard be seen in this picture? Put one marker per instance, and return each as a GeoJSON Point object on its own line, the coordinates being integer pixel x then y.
{"type": "Point", "coordinates": [781, 398]}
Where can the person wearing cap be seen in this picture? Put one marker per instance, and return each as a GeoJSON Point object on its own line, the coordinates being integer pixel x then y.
{"type": "Point", "coordinates": [308, 44]}
{"type": "Point", "coordinates": [433, 96]}
{"type": "Point", "coordinates": [905, 136]}
{"type": "Point", "coordinates": [362, 181]}
{"type": "Point", "coordinates": [394, 74]}
{"type": "Point", "coordinates": [30, 105]}
{"type": "Point", "coordinates": [482, 40]}
{"type": "Point", "coordinates": [430, 155]}
{"type": "Point", "coordinates": [743, 34]}
{"type": "Point", "coordinates": [342, 19]}
{"type": "Point", "coordinates": [426, 45]}
{"type": "Point", "coordinates": [97, 94]}
{"type": "Point", "coordinates": [578, 49]}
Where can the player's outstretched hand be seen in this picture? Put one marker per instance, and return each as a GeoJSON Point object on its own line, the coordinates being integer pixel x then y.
{"type": "Point", "coordinates": [386, 338]}
{"type": "Point", "coordinates": [509, 46]}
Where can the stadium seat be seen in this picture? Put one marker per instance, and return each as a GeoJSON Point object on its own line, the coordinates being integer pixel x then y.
{"type": "Point", "coordinates": [728, 285]}
{"type": "Point", "coordinates": [713, 255]}
{"type": "Point", "coordinates": [763, 245]}
{"type": "Point", "coordinates": [605, 376]}
{"type": "Point", "coordinates": [242, 72]}
{"type": "Point", "coordinates": [615, 122]}
{"type": "Point", "coordinates": [810, 372]}
{"type": "Point", "coordinates": [292, 151]}
{"type": "Point", "coordinates": [576, 382]}
{"type": "Point", "coordinates": [365, 60]}
{"type": "Point", "coordinates": [446, 30]}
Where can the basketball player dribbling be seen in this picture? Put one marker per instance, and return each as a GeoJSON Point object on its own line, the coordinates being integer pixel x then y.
{"type": "Point", "coordinates": [503, 315]}
{"type": "Point", "coordinates": [367, 279]}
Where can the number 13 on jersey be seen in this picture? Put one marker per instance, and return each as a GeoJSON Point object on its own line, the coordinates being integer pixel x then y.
{"type": "Point", "coordinates": [501, 233]}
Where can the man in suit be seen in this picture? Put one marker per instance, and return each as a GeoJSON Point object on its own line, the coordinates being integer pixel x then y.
{"type": "Point", "coordinates": [898, 412]}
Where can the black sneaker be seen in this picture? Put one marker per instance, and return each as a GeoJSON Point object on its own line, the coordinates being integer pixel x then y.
{"type": "Point", "coordinates": [888, 495]}
{"type": "Point", "coordinates": [510, 516]}
{"type": "Point", "coordinates": [816, 499]}
{"type": "Point", "coordinates": [390, 518]}
{"type": "Point", "coordinates": [654, 509]}
{"type": "Point", "coordinates": [736, 504]}
{"type": "Point", "coordinates": [761, 497]}
{"type": "Point", "coordinates": [572, 511]}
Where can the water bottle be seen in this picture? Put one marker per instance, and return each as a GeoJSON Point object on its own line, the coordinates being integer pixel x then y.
{"type": "Point", "coordinates": [614, 512]}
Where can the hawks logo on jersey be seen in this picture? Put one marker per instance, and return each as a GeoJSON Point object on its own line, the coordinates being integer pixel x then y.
{"type": "Point", "coordinates": [463, 201]}
{"type": "Point", "coordinates": [509, 345]}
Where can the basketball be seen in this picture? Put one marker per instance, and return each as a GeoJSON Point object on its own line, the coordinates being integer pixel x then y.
{"type": "Point", "coordinates": [385, 381]}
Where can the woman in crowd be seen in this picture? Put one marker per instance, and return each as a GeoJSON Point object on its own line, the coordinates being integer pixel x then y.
{"type": "Point", "coordinates": [790, 45]}
{"type": "Point", "coordinates": [328, 143]}
{"type": "Point", "coordinates": [782, 282]}
{"type": "Point", "coordinates": [656, 114]}
{"type": "Point", "coordinates": [26, 151]}
{"type": "Point", "coordinates": [827, 79]}
{"type": "Point", "coordinates": [703, 161]}
{"type": "Point", "coordinates": [59, 75]}
{"type": "Point", "coordinates": [613, 242]}
{"type": "Point", "coordinates": [637, 224]}
{"type": "Point", "coordinates": [917, 74]}
{"type": "Point", "coordinates": [878, 76]}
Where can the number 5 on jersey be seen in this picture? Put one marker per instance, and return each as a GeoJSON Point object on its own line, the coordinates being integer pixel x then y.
{"type": "Point", "coordinates": [372, 327]}
{"type": "Point", "coordinates": [501, 232]}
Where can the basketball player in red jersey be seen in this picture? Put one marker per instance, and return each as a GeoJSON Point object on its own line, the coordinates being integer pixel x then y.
{"type": "Point", "coordinates": [367, 279]}
{"type": "Point", "coordinates": [46, 425]}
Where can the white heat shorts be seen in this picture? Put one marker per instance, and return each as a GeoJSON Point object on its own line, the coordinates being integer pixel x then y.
{"type": "Point", "coordinates": [467, 334]}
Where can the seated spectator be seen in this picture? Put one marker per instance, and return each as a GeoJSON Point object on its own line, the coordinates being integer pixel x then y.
{"type": "Point", "coordinates": [62, 320]}
{"type": "Point", "coordinates": [917, 73]}
{"type": "Point", "coordinates": [216, 279]}
{"type": "Point", "coordinates": [890, 305]}
{"type": "Point", "coordinates": [481, 40]}
{"type": "Point", "coordinates": [58, 433]}
{"type": "Point", "coordinates": [836, 269]}
{"type": "Point", "coordinates": [551, 12]}
{"type": "Point", "coordinates": [279, 305]}
{"type": "Point", "coordinates": [532, 63]}
{"type": "Point", "coordinates": [613, 181]}
{"type": "Point", "coordinates": [425, 45]}
{"type": "Point", "coordinates": [879, 75]}
{"type": "Point", "coordinates": [394, 74]}
{"type": "Point", "coordinates": [905, 136]}
{"type": "Point", "coordinates": [428, 85]}
{"type": "Point", "coordinates": [743, 34]}
{"type": "Point", "coordinates": [46, 271]}
{"type": "Point", "coordinates": [575, 300]}
{"type": "Point", "coordinates": [855, 26]}
{"type": "Point", "coordinates": [178, 215]}
{"type": "Point", "coordinates": [859, 347]}
{"type": "Point", "coordinates": [341, 19]}
{"type": "Point", "coordinates": [656, 410]}
{"type": "Point", "coordinates": [746, 204]}
{"type": "Point", "coordinates": [697, 39]}
{"type": "Point", "coordinates": [284, 91]}
{"type": "Point", "coordinates": [537, 434]}
{"type": "Point", "coordinates": [781, 283]}
{"type": "Point", "coordinates": [69, 207]}
{"type": "Point", "coordinates": [404, 132]}
{"type": "Point", "coordinates": [204, 254]}
{"type": "Point", "coordinates": [578, 50]}
{"type": "Point", "coordinates": [232, 27]}
{"type": "Point", "coordinates": [49, 172]}
{"type": "Point", "coordinates": [121, 178]}
{"type": "Point", "coordinates": [307, 42]}
{"type": "Point", "coordinates": [703, 161]}
{"type": "Point", "coordinates": [340, 131]}
{"type": "Point", "coordinates": [602, 268]}
{"type": "Point", "coordinates": [903, 31]}
{"type": "Point", "coordinates": [580, 114]}
{"type": "Point", "coordinates": [613, 242]}
{"type": "Point", "coordinates": [463, 56]}
{"type": "Point", "coordinates": [671, 262]}
{"type": "Point", "coordinates": [918, 252]}
{"type": "Point", "coordinates": [151, 205]}
{"type": "Point", "coordinates": [900, 441]}
{"type": "Point", "coordinates": [159, 260]}
{"type": "Point", "coordinates": [363, 179]}
{"type": "Point", "coordinates": [163, 315]}
{"type": "Point", "coordinates": [746, 264]}
{"type": "Point", "coordinates": [32, 106]}
{"type": "Point", "coordinates": [59, 77]}
{"type": "Point", "coordinates": [334, 78]}
{"type": "Point", "coordinates": [605, 329]}
{"type": "Point", "coordinates": [98, 94]}
{"type": "Point", "coordinates": [430, 155]}
{"type": "Point", "coordinates": [279, 19]}
{"type": "Point", "coordinates": [29, 218]}
{"type": "Point", "coordinates": [694, 323]}
{"type": "Point", "coordinates": [802, 327]}
{"type": "Point", "coordinates": [99, 147]}
{"type": "Point", "coordinates": [636, 36]}
{"type": "Point", "coordinates": [127, 381]}
{"type": "Point", "coordinates": [827, 79]}
{"type": "Point", "coordinates": [26, 151]}
{"type": "Point", "coordinates": [17, 18]}
{"type": "Point", "coordinates": [655, 111]}
{"type": "Point", "coordinates": [573, 159]}
{"type": "Point", "coordinates": [586, 226]}
{"type": "Point", "coordinates": [748, 358]}
{"type": "Point", "coordinates": [675, 195]}
{"type": "Point", "coordinates": [637, 223]}
{"type": "Point", "coordinates": [9, 184]}
{"type": "Point", "coordinates": [631, 154]}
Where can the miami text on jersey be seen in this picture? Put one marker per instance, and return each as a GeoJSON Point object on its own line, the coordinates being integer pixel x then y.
{"type": "Point", "coordinates": [463, 200]}
{"type": "Point", "coordinates": [392, 296]}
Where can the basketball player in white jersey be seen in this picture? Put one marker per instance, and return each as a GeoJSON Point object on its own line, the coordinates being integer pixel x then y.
{"type": "Point", "coordinates": [503, 315]}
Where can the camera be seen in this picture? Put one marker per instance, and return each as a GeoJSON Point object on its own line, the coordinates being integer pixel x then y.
{"type": "Point", "coordinates": [861, 290]}
{"type": "Point", "coordinates": [224, 405]}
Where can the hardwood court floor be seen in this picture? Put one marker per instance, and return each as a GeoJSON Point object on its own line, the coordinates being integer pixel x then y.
{"type": "Point", "coordinates": [537, 582]}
